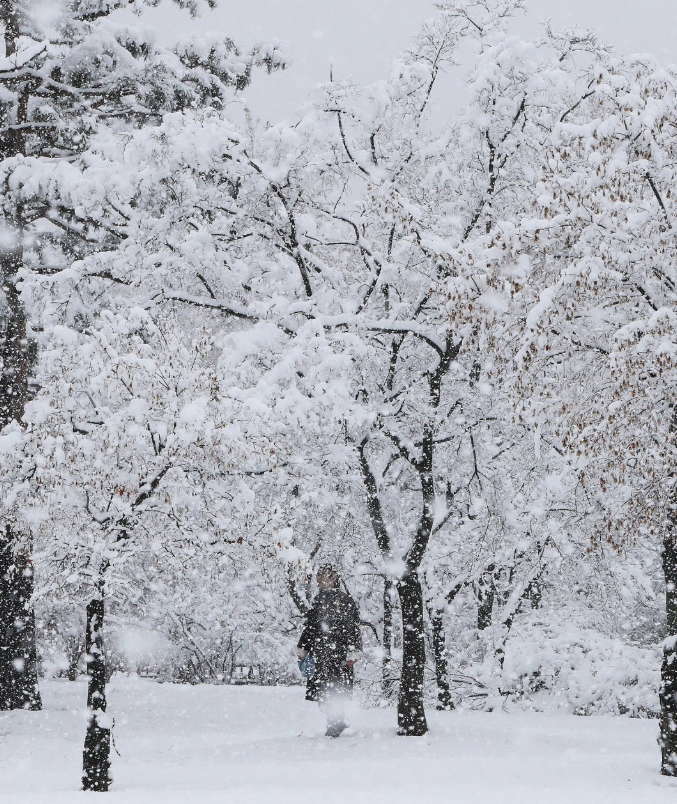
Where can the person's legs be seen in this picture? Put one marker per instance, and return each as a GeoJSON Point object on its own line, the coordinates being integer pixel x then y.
{"type": "Point", "coordinates": [333, 703]}
{"type": "Point", "coordinates": [333, 707]}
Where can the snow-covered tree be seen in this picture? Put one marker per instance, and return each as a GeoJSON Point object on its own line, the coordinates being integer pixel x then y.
{"type": "Point", "coordinates": [354, 278]}
{"type": "Point", "coordinates": [69, 73]}
{"type": "Point", "coordinates": [371, 336]}
{"type": "Point", "coordinates": [596, 361]}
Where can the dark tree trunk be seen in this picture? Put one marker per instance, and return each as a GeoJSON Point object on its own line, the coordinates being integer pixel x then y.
{"type": "Point", "coordinates": [18, 656]}
{"type": "Point", "coordinates": [444, 701]}
{"type": "Point", "coordinates": [410, 709]}
{"type": "Point", "coordinates": [26, 661]}
{"type": "Point", "coordinates": [411, 718]}
{"type": "Point", "coordinates": [96, 755]}
{"type": "Point", "coordinates": [387, 680]}
{"type": "Point", "coordinates": [668, 690]}
{"type": "Point", "coordinates": [18, 677]}
{"type": "Point", "coordinates": [6, 621]}
{"type": "Point", "coordinates": [73, 653]}
{"type": "Point", "coordinates": [486, 594]}
{"type": "Point", "coordinates": [15, 351]}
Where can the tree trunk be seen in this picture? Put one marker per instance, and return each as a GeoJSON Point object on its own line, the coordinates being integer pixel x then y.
{"type": "Point", "coordinates": [410, 710]}
{"type": "Point", "coordinates": [73, 653]}
{"type": "Point", "coordinates": [668, 690]}
{"type": "Point", "coordinates": [15, 354]}
{"type": "Point", "coordinates": [96, 754]}
{"type": "Point", "coordinates": [26, 661]}
{"type": "Point", "coordinates": [6, 621]}
{"type": "Point", "coordinates": [486, 594]}
{"type": "Point", "coordinates": [444, 701]}
{"type": "Point", "coordinates": [387, 680]}
{"type": "Point", "coordinates": [18, 655]}
{"type": "Point", "coordinates": [15, 359]}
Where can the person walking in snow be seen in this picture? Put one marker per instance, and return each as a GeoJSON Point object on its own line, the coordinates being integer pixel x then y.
{"type": "Point", "coordinates": [332, 638]}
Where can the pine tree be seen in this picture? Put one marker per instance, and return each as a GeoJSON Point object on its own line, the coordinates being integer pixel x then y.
{"type": "Point", "coordinates": [68, 79]}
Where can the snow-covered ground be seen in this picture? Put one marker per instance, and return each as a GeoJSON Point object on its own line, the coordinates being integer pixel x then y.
{"type": "Point", "coordinates": [249, 745]}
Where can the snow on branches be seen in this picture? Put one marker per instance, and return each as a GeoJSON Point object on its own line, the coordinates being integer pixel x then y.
{"type": "Point", "coordinates": [438, 355]}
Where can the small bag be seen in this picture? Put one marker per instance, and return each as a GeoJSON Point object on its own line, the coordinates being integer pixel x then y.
{"type": "Point", "coordinates": [307, 666]}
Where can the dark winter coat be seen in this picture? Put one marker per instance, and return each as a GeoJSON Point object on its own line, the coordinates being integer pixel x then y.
{"type": "Point", "coordinates": [332, 629]}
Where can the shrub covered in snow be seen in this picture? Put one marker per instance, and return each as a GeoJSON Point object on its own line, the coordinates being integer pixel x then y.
{"type": "Point", "coordinates": [567, 668]}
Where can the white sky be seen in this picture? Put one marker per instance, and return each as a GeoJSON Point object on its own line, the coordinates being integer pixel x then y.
{"type": "Point", "coordinates": [362, 36]}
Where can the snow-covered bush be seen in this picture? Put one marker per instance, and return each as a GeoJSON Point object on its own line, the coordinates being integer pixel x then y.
{"type": "Point", "coordinates": [578, 670]}
{"type": "Point", "coordinates": [563, 667]}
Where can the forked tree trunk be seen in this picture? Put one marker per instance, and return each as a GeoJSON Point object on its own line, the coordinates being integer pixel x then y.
{"type": "Point", "coordinates": [96, 754]}
{"type": "Point", "coordinates": [444, 701]}
{"type": "Point", "coordinates": [410, 707]}
{"type": "Point", "coordinates": [411, 718]}
{"type": "Point", "coordinates": [18, 657]}
{"type": "Point", "coordinates": [668, 690]}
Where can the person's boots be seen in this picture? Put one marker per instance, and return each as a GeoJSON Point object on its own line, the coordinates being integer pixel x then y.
{"type": "Point", "coordinates": [335, 728]}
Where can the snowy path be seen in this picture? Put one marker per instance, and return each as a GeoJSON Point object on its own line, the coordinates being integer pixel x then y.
{"type": "Point", "coordinates": [249, 745]}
